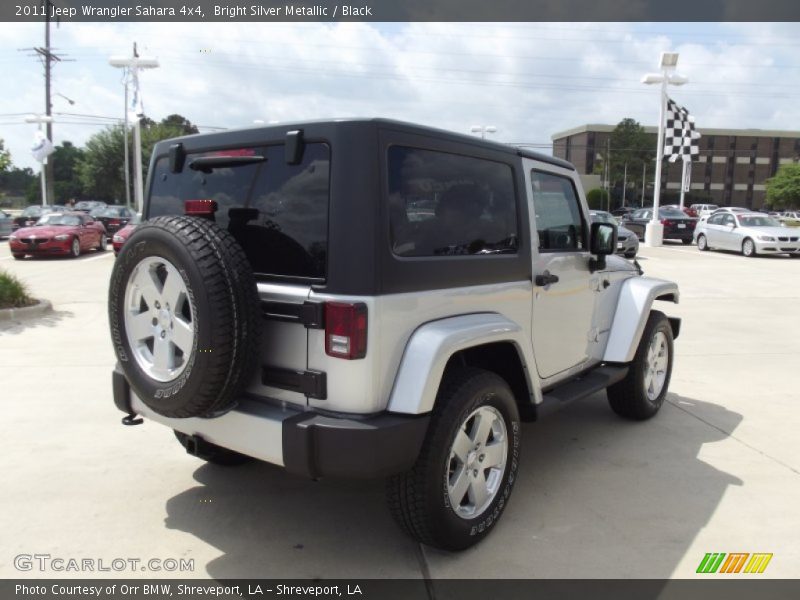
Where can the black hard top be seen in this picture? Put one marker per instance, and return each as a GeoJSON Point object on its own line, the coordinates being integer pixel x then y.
{"type": "Point", "coordinates": [277, 130]}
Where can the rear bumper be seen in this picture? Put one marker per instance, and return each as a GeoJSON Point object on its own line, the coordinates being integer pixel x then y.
{"type": "Point", "coordinates": [304, 442]}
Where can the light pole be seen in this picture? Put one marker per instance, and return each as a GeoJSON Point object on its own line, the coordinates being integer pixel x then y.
{"type": "Point", "coordinates": [483, 130]}
{"type": "Point", "coordinates": [42, 150]}
{"type": "Point", "coordinates": [654, 231]}
{"type": "Point", "coordinates": [132, 66]}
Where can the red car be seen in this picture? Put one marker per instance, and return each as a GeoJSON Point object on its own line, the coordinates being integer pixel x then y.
{"type": "Point", "coordinates": [59, 234]}
{"type": "Point", "coordinates": [122, 235]}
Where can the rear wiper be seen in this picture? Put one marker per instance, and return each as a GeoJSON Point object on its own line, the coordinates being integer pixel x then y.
{"type": "Point", "coordinates": [206, 164]}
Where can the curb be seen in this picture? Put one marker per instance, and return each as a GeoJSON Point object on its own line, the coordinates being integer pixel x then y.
{"type": "Point", "coordinates": [42, 307]}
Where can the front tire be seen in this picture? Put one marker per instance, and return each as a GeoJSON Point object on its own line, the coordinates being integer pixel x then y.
{"type": "Point", "coordinates": [748, 248]}
{"type": "Point", "coordinates": [702, 243]}
{"type": "Point", "coordinates": [640, 395]}
{"type": "Point", "coordinates": [75, 248]}
{"type": "Point", "coordinates": [18, 256]}
{"type": "Point", "coordinates": [464, 475]}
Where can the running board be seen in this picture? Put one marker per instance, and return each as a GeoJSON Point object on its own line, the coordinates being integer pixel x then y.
{"type": "Point", "coordinates": [581, 387]}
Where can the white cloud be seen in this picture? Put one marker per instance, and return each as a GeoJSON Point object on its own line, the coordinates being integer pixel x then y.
{"type": "Point", "coordinates": [529, 80]}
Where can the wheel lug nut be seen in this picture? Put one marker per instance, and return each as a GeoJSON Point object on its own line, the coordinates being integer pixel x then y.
{"type": "Point", "coordinates": [475, 473]}
{"type": "Point", "coordinates": [481, 457]}
{"type": "Point", "coordinates": [155, 321]}
{"type": "Point", "coordinates": [163, 334]}
{"type": "Point", "coordinates": [158, 304]}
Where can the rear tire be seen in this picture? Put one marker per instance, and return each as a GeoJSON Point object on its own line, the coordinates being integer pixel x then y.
{"type": "Point", "coordinates": [101, 247]}
{"type": "Point", "coordinates": [640, 395]}
{"type": "Point", "coordinates": [465, 473]}
{"type": "Point", "coordinates": [702, 243]}
{"type": "Point", "coordinates": [687, 242]}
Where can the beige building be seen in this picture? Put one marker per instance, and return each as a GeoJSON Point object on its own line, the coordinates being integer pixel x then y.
{"type": "Point", "coordinates": [731, 171]}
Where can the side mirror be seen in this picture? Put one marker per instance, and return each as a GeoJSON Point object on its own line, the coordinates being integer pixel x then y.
{"type": "Point", "coordinates": [602, 242]}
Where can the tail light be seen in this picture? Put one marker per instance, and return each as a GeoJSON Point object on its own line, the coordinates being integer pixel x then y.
{"type": "Point", "coordinates": [113, 222]}
{"type": "Point", "coordinates": [666, 222]}
{"type": "Point", "coordinates": [346, 330]}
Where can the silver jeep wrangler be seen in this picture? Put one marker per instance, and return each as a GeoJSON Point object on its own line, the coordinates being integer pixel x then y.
{"type": "Point", "coordinates": [363, 298]}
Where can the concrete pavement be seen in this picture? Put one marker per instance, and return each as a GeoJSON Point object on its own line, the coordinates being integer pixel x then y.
{"type": "Point", "coordinates": [718, 470]}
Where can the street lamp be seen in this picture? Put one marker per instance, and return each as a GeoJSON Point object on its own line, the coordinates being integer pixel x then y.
{"type": "Point", "coordinates": [654, 231]}
{"type": "Point", "coordinates": [132, 66]}
{"type": "Point", "coordinates": [483, 130]}
{"type": "Point", "coordinates": [42, 150]}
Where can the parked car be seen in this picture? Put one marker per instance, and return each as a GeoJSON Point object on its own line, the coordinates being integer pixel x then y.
{"type": "Point", "coordinates": [121, 236]}
{"type": "Point", "coordinates": [702, 210]}
{"type": "Point", "coordinates": [115, 218]}
{"type": "Point", "coordinates": [627, 242]}
{"type": "Point", "coordinates": [677, 224]}
{"type": "Point", "coordinates": [623, 211]}
{"type": "Point", "coordinates": [31, 214]}
{"type": "Point", "coordinates": [67, 234]}
{"type": "Point", "coordinates": [87, 206]}
{"type": "Point", "coordinates": [6, 224]}
{"type": "Point", "coordinates": [748, 233]}
{"type": "Point", "coordinates": [688, 210]}
{"type": "Point", "coordinates": [256, 317]}
{"type": "Point", "coordinates": [790, 218]}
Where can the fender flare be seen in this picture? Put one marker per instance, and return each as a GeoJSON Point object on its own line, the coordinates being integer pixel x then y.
{"type": "Point", "coordinates": [430, 348]}
{"type": "Point", "coordinates": [633, 309]}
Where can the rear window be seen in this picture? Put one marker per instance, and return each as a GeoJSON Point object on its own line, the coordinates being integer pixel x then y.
{"type": "Point", "coordinates": [276, 211]}
{"type": "Point", "coordinates": [443, 204]}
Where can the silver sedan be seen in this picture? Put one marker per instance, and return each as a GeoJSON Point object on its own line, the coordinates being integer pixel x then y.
{"type": "Point", "coordinates": [627, 241]}
{"type": "Point", "coordinates": [6, 224]}
{"type": "Point", "coordinates": [748, 233]}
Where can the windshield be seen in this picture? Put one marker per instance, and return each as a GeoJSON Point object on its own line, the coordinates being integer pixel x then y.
{"type": "Point", "coordinates": [758, 221]}
{"type": "Point", "coordinates": [111, 212]}
{"type": "Point", "coordinates": [602, 217]}
{"type": "Point", "coordinates": [670, 212]}
{"type": "Point", "coordinates": [32, 211]}
{"type": "Point", "coordinates": [54, 219]}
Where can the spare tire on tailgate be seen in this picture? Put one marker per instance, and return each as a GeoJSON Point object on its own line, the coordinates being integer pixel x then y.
{"type": "Point", "coordinates": [184, 315]}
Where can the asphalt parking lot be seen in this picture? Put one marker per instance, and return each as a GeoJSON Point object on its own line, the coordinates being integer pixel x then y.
{"type": "Point", "coordinates": [718, 470]}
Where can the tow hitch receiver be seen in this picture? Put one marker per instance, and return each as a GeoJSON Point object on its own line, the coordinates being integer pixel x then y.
{"type": "Point", "coordinates": [197, 446]}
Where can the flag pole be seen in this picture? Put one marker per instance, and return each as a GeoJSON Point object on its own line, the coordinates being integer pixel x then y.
{"type": "Point", "coordinates": [683, 181]}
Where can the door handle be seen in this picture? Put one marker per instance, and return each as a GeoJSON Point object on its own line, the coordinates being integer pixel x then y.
{"type": "Point", "coordinates": [545, 279]}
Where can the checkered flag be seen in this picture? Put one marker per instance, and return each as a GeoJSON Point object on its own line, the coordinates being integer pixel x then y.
{"type": "Point", "coordinates": [680, 136]}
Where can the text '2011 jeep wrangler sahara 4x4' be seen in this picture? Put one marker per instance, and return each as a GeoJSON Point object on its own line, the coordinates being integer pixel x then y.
{"type": "Point", "coordinates": [365, 298]}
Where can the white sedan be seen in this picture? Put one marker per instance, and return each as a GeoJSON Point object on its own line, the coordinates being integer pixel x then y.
{"type": "Point", "coordinates": [748, 233]}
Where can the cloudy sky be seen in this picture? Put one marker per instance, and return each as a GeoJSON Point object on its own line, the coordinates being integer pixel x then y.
{"type": "Point", "coordinates": [529, 80]}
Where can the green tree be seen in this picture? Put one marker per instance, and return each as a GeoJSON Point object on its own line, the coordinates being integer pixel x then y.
{"type": "Point", "coordinates": [184, 124]}
{"type": "Point", "coordinates": [783, 190]}
{"type": "Point", "coordinates": [631, 146]}
{"type": "Point", "coordinates": [5, 157]}
{"type": "Point", "coordinates": [101, 170]}
{"type": "Point", "coordinates": [66, 182]}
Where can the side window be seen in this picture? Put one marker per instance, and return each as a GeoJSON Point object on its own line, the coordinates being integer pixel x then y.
{"type": "Point", "coordinates": [728, 220]}
{"type": "Point", "coordinates": [559, 221]}
{"type": "Point", "coordinates": [443, 204]}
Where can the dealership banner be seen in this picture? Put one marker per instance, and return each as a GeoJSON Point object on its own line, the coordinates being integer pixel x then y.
{"type": "Point", "coordinates": [400, 10]}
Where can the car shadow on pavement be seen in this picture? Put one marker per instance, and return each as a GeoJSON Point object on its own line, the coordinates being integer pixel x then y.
{"type": "Point", "coordinates": [49, 319]}
{"type": "Point", "coordinates": [595, 496]}
{"type": "Point", "coordinates": [268, 523]}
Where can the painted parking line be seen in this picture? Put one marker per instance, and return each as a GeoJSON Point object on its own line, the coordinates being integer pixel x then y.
{"type": "Point", "coordinates": [98, 257]}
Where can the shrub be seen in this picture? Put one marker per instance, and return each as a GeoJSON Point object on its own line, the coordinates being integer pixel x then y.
{"type": "Point", "coordinates": [597, 199]}
{"type": "Point", "coordinates": [13, 293]}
